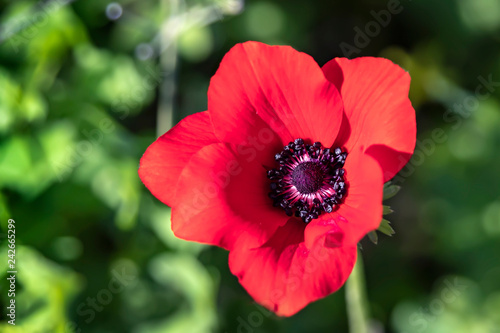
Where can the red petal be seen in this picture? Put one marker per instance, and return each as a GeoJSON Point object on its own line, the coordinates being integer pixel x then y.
{"type": "Point", "coordinates": [284, 276]}
{"type": "Point", "coordinates": [222, 196]}
{"type": "Point", "coordinates": [379, 112]}
{"type": "Point", "coordinates": [165, 158]}
{"type": "Point", "coordinates": [275, 84]}
{"type": "Point", "coordinates": [361, 211]}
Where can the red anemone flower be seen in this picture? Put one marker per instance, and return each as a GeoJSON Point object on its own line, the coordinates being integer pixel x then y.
{"type": "Point", "coordinates": [286, 168]}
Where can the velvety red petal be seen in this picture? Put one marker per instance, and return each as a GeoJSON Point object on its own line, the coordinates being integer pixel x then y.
{"type": "Point", "coordinates": [378, 110]}
{"type": "Point", "coordinates": [284, 275]}
{"type": "Point", "coordinates": [164, 160]}
{"type": "Point", "coordinates": [222, 197]}
{"type": "Point", "coordinates": [277, 85]}
{"type": "Point", "coordinates": [361, 211]}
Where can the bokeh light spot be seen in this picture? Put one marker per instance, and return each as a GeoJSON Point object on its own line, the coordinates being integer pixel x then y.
{"type": "Point", "coordinates": [67, 248]}
{"type": "Point", "coordinates": [232, 6]}
{"type": "Point", "coordinates": [114, 11]}
{"type": "Point", "coordinates": [264, 20]}
{"type": "Point", "coordinates": [468, 143]}
{"type": "Point", "coordinates": [491, 219]}
{"type": "Point", "coordinates": [480, 14]}
{"type": "Point", "coordinates": [196, 44]}
{"type": "Point", "coordinates": [144, 51]}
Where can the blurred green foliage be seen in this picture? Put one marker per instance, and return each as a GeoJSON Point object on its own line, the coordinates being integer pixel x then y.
{"type": "Point", "coordinates": [81, 83]}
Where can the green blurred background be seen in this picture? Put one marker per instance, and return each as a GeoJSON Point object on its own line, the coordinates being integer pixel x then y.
{"type": "Point", "coordinates": [87, 85]}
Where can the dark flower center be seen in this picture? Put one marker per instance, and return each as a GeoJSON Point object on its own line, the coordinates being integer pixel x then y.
{"type": "Point", "coordinates": [309, 180]}
{"type": "Point", "coordinates": [308, 177]}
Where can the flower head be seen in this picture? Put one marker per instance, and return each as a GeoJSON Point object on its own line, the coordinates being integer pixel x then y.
{"type": "Point", "coordinates": [286, 168]}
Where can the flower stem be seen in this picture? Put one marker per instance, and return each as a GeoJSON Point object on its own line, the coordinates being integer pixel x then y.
{"type": "Point", "coordinates": [356, 301]}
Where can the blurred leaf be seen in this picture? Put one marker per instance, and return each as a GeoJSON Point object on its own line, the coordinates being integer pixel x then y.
{"type": "Point", "coordinates": [372, 235]}
{"type": "Point", "coordinates": [117, 185]}
{"type": "Point", "coordinates": [387, 210]}
{"type": "Point", "coordinates": [5, 214]}
{"type": "Point", "coordinates": [385, 228]}
{"type": "Point", "coordinates": [390, 190]}
{"type": "Point", "coordinates": [18, 106]}
{"type": "Point", "coordinates": [15, 162]}
{"type": "Point", "coordinates": [44, 292]}
{"type": "Point", "coordinates": [190, 278]}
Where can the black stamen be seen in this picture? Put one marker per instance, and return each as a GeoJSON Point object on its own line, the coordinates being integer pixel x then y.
{"type": "Point", "coordinates": [309, 180]}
